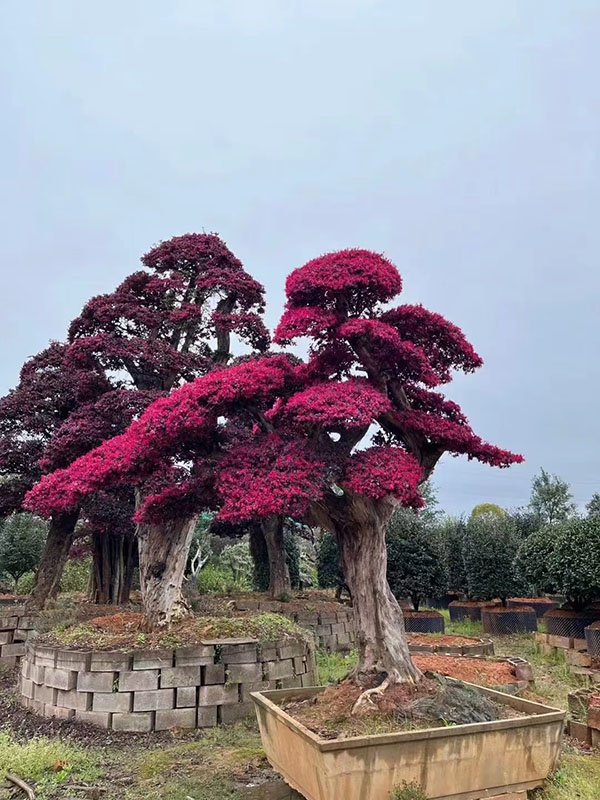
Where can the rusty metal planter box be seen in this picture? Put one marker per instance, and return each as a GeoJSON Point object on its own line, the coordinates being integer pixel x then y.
{"type": "Point", "coordinates": [466, 762]}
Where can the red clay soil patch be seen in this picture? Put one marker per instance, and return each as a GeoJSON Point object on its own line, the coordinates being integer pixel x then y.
{"type": "Point", "coordinates": [12, 598]}
{"type": "Point", "coordinates": [472, 603]}
{"type": "Point", "coordinates": [441, 639]}
{"type": "Point", "coordinates": [329, 713]}
{"type": "Point", "coordinates": [502, 610]}
{"type": "Point", "coordinates": [126, 631]}
{"type": "Point", "coordinates": [470, 670]}
{"type": "Point", "coordinates": [531, 599]}
{"type": "Point", "coordinates": [594, 701]}
{"type": "Point", "coordinates": [419, 614]}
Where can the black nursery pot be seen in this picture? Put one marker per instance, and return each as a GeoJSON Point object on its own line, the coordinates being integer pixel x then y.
{"type": "Point", "coordinates": [592, 639]}
{"type": "Point", "coordinates": [540, 605]}
{"type": "Point", "coordinates": [568, 623]}
{"type": "Point", "coordinates": [423, 622]}
{"type": "Point", "coordinates": [506, 621]}
{"type": "Point", "coordinates": [466, 609]}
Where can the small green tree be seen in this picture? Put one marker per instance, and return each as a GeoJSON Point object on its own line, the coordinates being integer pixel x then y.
{"type": "Point", "coordinates": [416, 566]}
{"type": "Point", "coordinates": [22, 538]}
{"type": "Point", "coordinates": [534, 563]}
{"type": "Point", "coordinates": [430, 513]}
{"type": "Point", "coordinates": [551, 498]}
{"type": "Point", "coordinates": [329, 573]}
{"type": "Point", "coordinates": [201, 546]}
{"type": "Point", "coordinates": [236, 557]}
{"type": "Point", "coordinates": [487, 508]}
{"type": "Point", "coordinates": [593, 507]}
{"type": "Point", "coordinates": [489, 552]}
{"type": "Point", "coordinates": [451, 534]}
{"type": "Point", "coordinates": [575, 561]}
{"type": "Point", "coordinates": [525, 522]}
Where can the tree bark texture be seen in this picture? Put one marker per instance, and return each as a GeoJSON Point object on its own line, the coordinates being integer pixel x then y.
{"type": "Point", "coordinates": [279, 574]}
{"type": "Point", "coordinates": [61, 533]}
{"type": "Point", "coordinates": [359, 526]}
{"type": "Point", "coordinates": [164, 549]}
{"type": "Point", "coordinates": [115, 556]}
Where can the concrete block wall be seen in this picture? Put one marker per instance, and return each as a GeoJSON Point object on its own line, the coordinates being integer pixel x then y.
{"type": "Point", "coordinates": [15, 629]}
{"type": "Point", "coordinates": [191, 687]}
{"type": "Point", "coordinates": [333, 630]}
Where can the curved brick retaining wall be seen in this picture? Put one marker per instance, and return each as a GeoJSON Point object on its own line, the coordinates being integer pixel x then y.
{"type": "Point", "coordinates": [190, 687]}
{"type": "Point", "coordinates": [15, 629]}
{"type": "Point", "coordinates": [333, 630]}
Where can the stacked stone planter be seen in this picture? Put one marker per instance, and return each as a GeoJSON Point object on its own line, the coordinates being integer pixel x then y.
{"type": "Point", "coordinates": [584, 724]}
{"type": "Point", "coordinates": [333, 630]}
{"type": "Point", "coordinates": [15, 629]}
{"type": "Point", "coordinates": [191, 687]}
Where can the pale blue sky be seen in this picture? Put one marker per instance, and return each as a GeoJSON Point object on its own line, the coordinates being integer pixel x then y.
{"type": "Point", "coordinates": [460, 138]}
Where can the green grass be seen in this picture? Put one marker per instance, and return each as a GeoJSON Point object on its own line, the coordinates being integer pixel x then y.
{"type": "Point", "coordinates": [577, 778]}
{"type": "Point", "coordinates": [334, 667]}
{"type": "Point", "coordinates": [465, 627]}
{"type": "Point", "coordinates": [206, 768]}
{"type": "Point", "coordinates": [48, 763]}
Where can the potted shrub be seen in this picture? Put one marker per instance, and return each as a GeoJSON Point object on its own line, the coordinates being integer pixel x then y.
{"type": "Point", "coordinates": [566, 556]}
{"type": "Point", "coordinates": [541, 605]}
{"type": "Point", "coordinates": [490, 550]}
{"type": "Point", "coordinates": [415, 569]}
{"type": "Point", "coordinates": [533, 566]}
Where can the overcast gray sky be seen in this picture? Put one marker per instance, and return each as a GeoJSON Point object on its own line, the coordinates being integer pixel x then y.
{"type": "Point", "coordinates": [460, 138]}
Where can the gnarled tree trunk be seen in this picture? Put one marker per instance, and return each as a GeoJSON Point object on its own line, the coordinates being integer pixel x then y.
{"type": "Point", "coordinates": [279, 574]}
{"type": "Point", "coordinates": [164, 549]}
{"type": "Point", "coordinates": [359, 525]}
{"type": "Point", "coordinates": [115, 556]}
{"type": "Point", "coordinates": [61, 533]}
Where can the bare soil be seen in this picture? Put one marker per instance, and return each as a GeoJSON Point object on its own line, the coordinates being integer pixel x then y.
{"type": "Point", "coordinates": [329, 714]}
{"type": "Point", "coordinates": [430, 703]}
{"type": "Point", "coordinates": [532, 599]}
{"type": "Point", "coordinates": [464, 668]}
{"type": "Point", "coordinates": [416, 614]}
{"type": "Point", "coordinates": [127, 630]}
{"type": "Point", "coordinates": [594, 701]}
{"type": "Point", "coordinates": [441, 639]}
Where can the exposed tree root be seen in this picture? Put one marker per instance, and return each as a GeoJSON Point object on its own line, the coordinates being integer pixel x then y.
{"type": "Point", "coordinates": [25, 787]}
{"type": "Point", "coordinates": [365, 699]}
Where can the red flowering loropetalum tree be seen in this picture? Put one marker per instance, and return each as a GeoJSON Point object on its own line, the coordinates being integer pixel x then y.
{"type": "Point", "coordinates": [51, 388]}
{"type": "Point", "coordinates": [162, 326]}
{"type": "Point", "coordinates": [177, 459]}
{"type": "Point", "coordinates": [311, 452]}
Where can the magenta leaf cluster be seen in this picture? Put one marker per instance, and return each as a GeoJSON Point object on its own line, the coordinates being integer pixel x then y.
{"type": "Point", "coordinates": [275, 435]}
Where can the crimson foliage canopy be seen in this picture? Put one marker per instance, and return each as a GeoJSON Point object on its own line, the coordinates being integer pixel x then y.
{"type": "Point", "coordinates": [270, 434]}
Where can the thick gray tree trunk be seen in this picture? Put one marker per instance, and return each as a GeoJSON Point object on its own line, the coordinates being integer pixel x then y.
{"type": "Point", "coordinates": [61, 533]}
{"type": "Point", "coordinates": [164, 549]}
{"type": "Point", "coordinates": [359, 526]}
